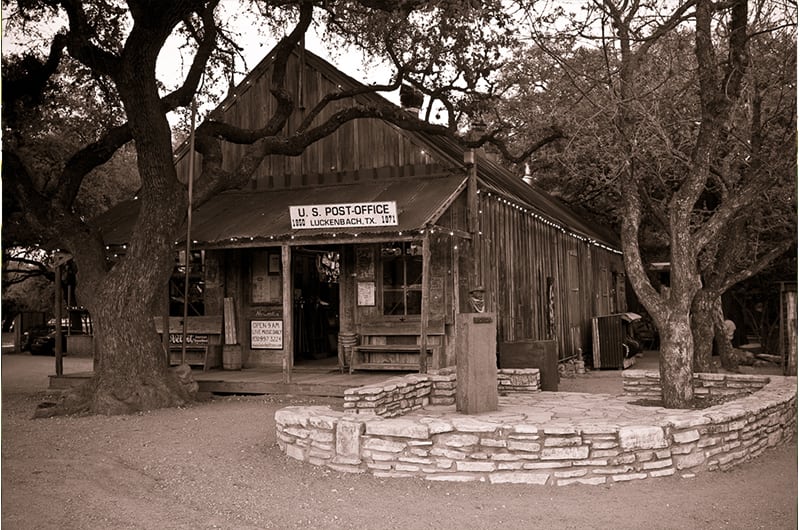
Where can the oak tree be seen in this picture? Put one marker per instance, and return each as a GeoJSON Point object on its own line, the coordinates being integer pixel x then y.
{"type": "Point", "coordinates": [664, 110]}
{"type": "Point", "coordinates": [447, 49]}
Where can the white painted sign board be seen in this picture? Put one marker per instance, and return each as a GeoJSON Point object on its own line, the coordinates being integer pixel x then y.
{"type": "Point", "coordinates": [266, 334]}
{"type": "Point", "coordinates": [366, 293]}
{"type": "Point", "coordinates": [346, 215]}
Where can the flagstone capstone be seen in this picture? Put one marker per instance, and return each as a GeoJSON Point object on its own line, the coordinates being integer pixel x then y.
{"type": "Point", "coordinates": [642, 437]}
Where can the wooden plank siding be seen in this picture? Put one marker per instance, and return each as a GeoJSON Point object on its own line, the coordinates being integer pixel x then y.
{"type": "Point", "coordinates": [519, 254]}
{"type": "Point", "coordinates": [365, 149]}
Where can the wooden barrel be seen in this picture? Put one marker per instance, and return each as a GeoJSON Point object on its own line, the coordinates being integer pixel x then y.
{"type": "Point", "coordinates": [345, 345]}
{"type": "Point", "coordinates": [232, 357]}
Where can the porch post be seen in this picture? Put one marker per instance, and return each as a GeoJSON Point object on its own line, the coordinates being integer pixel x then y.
{"type": "Point", "coordinates": [288, 312]}
{"type": "Point", "coordinates": [471, 161]}
{"type": "Point", "coordinates": [59, 352]}
{"type": "Point", "coordinates": [165, 321]}
{"type": "Point", "coordinates": [425, 309]}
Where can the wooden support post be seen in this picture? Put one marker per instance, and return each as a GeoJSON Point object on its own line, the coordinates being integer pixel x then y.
{"type": "Point", "coordinates": [59, 333]}
{"type": "Point", "coordinates": [472, 218]}
{"type": "Point", "coordinates": [425, 309]}
{"type": "Point", "coordinates": [456, 266]}
{"type": "Point", "coordinates": [789, 332]}
{"type": "Point", "coordinates": [165, 322]}
{"type": "Point", "coordinates": [288, 312]}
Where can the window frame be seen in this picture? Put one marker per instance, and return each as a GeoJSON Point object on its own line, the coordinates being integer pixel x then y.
{"type": "Point", "coordinates": [405, 257]}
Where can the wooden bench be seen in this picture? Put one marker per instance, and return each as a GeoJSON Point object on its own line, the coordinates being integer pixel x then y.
{"type": "Point", "coordinates": [203, 340]}
{"type": "Point", "coordinates": [392, 345]}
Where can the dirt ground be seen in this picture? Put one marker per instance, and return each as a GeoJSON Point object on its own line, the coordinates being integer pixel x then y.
{"type": "Point", "coordinates": [216, 465]}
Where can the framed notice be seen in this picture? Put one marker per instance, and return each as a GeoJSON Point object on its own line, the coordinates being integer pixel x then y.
{"type": "Point", "coordinates": [274, 263]}
{"type": "Point", "coordinates": [265, 284]}
{"type": "Point", "coordinates": [365, 263]}
{"type": "Point", "coordinates": [366, 293]}
{"type": "Point", "coordinates": [266, 334]}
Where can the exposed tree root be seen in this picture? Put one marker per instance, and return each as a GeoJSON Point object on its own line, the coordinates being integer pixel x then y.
{"type": "Point", "coordinates": [118, 396]}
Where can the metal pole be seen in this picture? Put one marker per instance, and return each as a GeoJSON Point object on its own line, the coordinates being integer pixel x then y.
{"type": "Point", "coordinates": [187, 259]}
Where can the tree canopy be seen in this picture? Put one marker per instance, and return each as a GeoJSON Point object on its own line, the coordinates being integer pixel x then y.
{"type": "Point", "coordinates": [672, 119]}
{"type": "Point", "coordinates": [448, 50]}
{"type": "Point", "coordinates": [667, 109]}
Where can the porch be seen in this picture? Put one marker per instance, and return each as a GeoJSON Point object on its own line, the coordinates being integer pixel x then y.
{"type": "Point", "coordinates": [317, 378]}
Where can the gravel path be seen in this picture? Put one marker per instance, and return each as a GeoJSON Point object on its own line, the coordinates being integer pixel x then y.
{"type": "Point", "coordinates": [215, 465]}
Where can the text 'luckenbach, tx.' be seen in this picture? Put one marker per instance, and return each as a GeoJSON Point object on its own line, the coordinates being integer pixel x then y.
{"type": "Point", "coordinates": [352, 215]}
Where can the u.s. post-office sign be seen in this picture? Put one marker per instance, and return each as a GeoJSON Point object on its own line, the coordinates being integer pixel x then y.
{"type": "Point", "coordinates": [349, 215]}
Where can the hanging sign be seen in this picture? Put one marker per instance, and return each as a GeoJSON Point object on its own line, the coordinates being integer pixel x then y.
{"type": "Point", "coordinates": [352, 215]}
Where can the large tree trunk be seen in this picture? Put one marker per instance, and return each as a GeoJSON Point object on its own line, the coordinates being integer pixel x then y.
{"type": "Point", "coordinates": [703, 332]}
{"type": "Point", "coordinates": [677, 390]}
{"type": "Point", "coordinates": [131, 371]}
{"type": "Point", "coordinates": [722, 340]}
{"type": "Point", "coordinates": [708, 331]}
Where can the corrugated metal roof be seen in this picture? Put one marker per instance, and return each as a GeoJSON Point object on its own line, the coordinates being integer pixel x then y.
{"type": "Point", "coordinates": [492, 176]}
{"type": "Point", "coordinates": [234, 218]}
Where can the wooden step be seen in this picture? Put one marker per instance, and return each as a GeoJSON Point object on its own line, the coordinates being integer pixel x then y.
{"type": "Point", "coordinates": [399, 348]}
{"type": "Point", "coordinates": [410, 367]}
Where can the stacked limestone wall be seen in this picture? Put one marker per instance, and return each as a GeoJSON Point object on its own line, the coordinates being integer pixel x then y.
{"type": "Point", "coordinates": [496, 450]}
{"type": "Point", "coordinates": [646, 384]}
{"type": "Point", "coordinates": [400, 395]}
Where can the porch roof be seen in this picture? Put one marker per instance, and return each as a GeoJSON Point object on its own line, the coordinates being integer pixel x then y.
{"type": "Point", "coordinates": [256, 218]}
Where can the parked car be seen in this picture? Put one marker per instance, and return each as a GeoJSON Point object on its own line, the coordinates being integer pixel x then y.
{"type": "Point", "coordinates": [30, 334]}
{"type": "Point", "coordinates": [41, 340]}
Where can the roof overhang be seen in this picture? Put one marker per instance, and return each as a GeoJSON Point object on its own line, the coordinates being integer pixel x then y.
{"type": "Point", "coordinates": [236, 219]}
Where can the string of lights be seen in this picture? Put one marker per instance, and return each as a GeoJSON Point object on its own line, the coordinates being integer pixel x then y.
{"type": "Point", "coordinates": [525, 210]}
{"type": "Point", "coordinates": [549, 222]}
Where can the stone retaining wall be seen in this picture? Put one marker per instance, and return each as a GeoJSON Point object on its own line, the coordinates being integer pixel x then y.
{"type": "Point", "coordinates": [503, 449]}
{"type": "Point", "coordinates": [400, 395]}
{"type": "Point", "coordinates": [646, 384]}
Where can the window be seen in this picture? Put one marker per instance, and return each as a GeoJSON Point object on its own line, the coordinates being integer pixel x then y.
{"type": "Point", "coordinates": [402, 278]}
{"type": "Point", "coordinates": [177, 285]}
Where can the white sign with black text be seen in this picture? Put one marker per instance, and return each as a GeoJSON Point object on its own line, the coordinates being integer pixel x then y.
{"type": "Point", "coordinates": [350, 215]}
{"type": "Point", "coordinates": [266, 334]}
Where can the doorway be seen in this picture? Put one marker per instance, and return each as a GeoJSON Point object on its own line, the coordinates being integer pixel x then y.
{"type": "Point", "coordinates": [316, 304]}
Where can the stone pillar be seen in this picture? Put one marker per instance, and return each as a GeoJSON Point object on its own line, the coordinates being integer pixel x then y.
{"type": "Point", "coordinates": [476, 363]}
{"type": "Point", "coordinates": [348, 442]}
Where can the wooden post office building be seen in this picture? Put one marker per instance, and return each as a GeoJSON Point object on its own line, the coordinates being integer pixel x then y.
{"type": "Point", "coordinates": [368, 245]}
